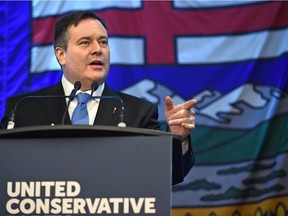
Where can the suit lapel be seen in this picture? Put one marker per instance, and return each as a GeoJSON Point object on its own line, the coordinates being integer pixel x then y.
{"type": "Point", "coordinates": [108, 110]}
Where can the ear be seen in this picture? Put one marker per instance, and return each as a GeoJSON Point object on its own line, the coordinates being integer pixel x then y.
{"type": "Point", "coordinates": [60, 54]}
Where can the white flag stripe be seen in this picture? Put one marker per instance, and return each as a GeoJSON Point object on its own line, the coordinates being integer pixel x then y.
{"type": "Point", "coordinates": [190, 50]}
{"type": "Point", "coordinates": [127, 50]}
{"type": "Point", "coordinates": [220, 49]}
{"type": "Point", "coordinates": [43, 59]}
{"type": "Point", "coordinates": [185, 4]}
{"type": "Point", "coordinates": [123, 51]}
{"type": "Point", "coordinates": [49, 8]}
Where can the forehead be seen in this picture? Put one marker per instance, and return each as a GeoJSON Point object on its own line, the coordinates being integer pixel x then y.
{"type": "Point", "coordinates": [87, 27]}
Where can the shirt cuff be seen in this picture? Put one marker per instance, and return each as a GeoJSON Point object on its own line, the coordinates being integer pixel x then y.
{"type": "Point", "coordinates": [185, 146]}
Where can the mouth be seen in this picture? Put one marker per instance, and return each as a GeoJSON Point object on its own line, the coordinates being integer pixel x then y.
{"type": "Point", "coordinates": [97, 65]}
{"type": "Point", "coordinates": [96, 62]}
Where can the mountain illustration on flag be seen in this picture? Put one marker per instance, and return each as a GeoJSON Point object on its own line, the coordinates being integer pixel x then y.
{"type": "Point", "coordinates": [230, 156]}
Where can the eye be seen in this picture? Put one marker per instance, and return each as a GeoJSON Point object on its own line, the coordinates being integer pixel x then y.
{"type": "Point", "coordinates": [103, 42]}
{"type": "Point", "coordinates": [84, 42]}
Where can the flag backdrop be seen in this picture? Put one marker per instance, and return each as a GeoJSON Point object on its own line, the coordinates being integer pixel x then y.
{"type": "Point", "coordinates": [230, 55]}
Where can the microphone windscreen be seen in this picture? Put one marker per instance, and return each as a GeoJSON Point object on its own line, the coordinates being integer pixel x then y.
{"type": "Point", "coordinates": [94, 86]}
{"type": "Point", "coordinates": [77, 85]}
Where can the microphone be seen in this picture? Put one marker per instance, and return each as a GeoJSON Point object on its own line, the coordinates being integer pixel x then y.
{"type": "Point", "coordinates": [13, 113]}
{"type": "Point", "coordinates": [11, 122]}
{"type": "Point", "coordinates": [94, 87]}
{"type": "Point", "coordinates": [77, 86]}
{"type": "Point", "coordinates": [121, 115]}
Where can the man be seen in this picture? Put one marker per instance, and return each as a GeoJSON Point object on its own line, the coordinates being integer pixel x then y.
{"type": "Point", "coordinates": [82, 49]}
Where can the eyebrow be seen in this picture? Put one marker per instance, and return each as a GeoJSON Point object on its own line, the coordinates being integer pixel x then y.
{"type": "Point", "coordinates": [89, 38]}
{"type": "Point", "coordinates": [84, 38]}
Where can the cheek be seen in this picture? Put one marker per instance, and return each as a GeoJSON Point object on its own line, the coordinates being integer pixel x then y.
{"type": "Point", "coordinates": [75, 57]}
{"type": "Point", "coordinates": [74, 62]}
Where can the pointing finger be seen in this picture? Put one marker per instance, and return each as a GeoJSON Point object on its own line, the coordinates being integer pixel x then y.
{"type": "Point", "coordinates": [189, 104]}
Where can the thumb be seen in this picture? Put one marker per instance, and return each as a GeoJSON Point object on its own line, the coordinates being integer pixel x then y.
{"type": "Point", "coordinates": [168, 103]}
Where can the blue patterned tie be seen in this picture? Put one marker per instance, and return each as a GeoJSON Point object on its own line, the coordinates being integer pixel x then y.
{"type": "Point", "coordinates": [80, 114]}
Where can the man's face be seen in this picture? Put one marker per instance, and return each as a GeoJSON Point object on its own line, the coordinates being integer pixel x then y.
{"type": "Point", "coordinates": [87, 57]}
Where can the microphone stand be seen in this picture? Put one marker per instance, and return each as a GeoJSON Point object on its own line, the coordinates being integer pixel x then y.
{"type": "Point", "coordinates": [94, 87]}
{"type": "Point", "coordinates": [77, 86]}
{"type": "Point", "coordinates": [11, 122]}
{"type": "Point", "coordinates": [121, 115]}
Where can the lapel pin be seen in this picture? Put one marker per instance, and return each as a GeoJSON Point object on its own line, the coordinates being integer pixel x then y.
{"type": "Point", "coordinates": [115, 108]}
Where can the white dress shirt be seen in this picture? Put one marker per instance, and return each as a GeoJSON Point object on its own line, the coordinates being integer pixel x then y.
{"type": "Point", "coordinates": [92, 105]}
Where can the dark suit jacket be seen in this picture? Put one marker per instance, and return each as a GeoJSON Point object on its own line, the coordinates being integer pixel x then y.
{"type": "Point", "coordinates": [34, 112]}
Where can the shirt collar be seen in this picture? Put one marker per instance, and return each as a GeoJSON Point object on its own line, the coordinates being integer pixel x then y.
{"type": "Point", "coordinates": [68, 87]}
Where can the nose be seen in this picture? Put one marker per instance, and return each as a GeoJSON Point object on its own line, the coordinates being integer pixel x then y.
{"type": "Point", "coordinates": [96, 49]}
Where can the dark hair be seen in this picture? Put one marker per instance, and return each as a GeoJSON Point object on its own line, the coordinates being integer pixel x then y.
{"type": "Point", "coordinates": [62, 25]}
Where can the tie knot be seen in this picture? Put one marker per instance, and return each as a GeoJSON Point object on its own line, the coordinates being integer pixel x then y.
{"type": "Point", "coordinates": [83, 98]}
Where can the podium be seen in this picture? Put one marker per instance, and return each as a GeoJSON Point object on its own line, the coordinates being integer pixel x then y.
{"type": "Point", "coordinates": [88, 170]}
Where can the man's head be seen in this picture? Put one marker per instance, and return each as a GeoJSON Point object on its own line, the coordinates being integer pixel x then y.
{"type": "Point", "coordinates": [81, 47]}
